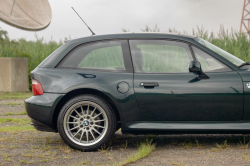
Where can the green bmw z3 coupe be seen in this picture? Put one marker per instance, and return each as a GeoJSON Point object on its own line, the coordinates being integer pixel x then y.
{"type": "Point", "coordinates": [143, 83]}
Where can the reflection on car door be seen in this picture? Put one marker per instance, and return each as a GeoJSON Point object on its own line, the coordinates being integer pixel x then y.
{"type": "Point", "coordinates": [166, 91]}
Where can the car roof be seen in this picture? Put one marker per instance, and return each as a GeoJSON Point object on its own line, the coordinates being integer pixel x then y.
{"type": "Point", "coordinates": [133, 35]}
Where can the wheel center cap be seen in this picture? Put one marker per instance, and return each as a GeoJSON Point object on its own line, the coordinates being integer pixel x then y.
{"type": "Point", "coordinates": [86, 123]}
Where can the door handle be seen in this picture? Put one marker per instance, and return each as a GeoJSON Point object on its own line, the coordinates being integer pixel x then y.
{"type": "Point", "coordinates": [149, 84]}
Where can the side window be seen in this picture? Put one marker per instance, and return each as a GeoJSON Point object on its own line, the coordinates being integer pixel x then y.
{"type": "Point", "coordinates": [208, 63]}
{"type": "Point", "coordinates": [106, 55]}
{"type": "Point", "coordinates": [160, 56]}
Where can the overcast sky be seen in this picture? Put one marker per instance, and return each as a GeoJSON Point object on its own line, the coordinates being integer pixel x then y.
{"type": "Point", "coordinates": [110, 16]}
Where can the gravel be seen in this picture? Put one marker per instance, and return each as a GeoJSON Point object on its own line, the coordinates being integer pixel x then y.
{"type": "Point", "coordinates": [6, 108]}
{"type": "Point", "coordinates": [42, 148]}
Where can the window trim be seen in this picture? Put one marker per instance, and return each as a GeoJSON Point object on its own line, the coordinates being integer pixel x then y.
{"type": "Point", "coordinates": [125, 51]}
{"type": "Point", "coordinates": [88, 69]}
{"type": "Point", "coordinates": [192, 52]}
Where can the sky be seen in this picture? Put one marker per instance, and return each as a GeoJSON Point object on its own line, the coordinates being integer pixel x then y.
{"type": "Point", "coordinates": [110, 16]}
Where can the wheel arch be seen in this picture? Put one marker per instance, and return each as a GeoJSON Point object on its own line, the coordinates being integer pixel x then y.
{"type": "Point", "coordinates": [82, 91]}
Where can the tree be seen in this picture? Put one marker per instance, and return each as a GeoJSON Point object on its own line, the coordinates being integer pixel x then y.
{"type": "Point", "coordinates": [3, 34]}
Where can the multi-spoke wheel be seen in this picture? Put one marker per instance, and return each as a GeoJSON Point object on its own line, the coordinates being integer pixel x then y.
{"type": "Point", "coordinates": [86, 122]}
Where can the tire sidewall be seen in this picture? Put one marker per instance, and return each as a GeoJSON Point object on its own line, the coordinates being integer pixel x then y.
{"type": "Point", "coordinates": [105, 107]}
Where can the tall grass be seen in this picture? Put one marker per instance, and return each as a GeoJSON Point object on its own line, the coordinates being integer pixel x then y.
{"type": "Point", "coordinates": [36, 51]}
{"type": "Point", "coordinates": [230, 41]}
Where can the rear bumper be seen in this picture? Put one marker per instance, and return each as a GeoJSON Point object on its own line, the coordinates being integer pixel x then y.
{"type": "Point", "coordinates": [41, 109]}
{"type": "Point", "coordinates": [41, 127]}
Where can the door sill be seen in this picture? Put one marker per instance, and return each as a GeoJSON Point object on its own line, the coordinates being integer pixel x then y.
{"type": "Point", "coordinates": [190, 125]}
{"type": "Point", "coordinates": [239, 127]}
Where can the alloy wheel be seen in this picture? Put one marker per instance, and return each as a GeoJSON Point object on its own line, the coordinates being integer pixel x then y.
{"type": "Point", "coordinates": [85, 123]}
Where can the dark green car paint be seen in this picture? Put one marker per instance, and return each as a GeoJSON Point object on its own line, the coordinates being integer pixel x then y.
{"type": "Point", "coordinates": [43, 107]}
{"type": "Point", "coordinates": [181, 103]}
{"type": "Point", "coordinates": [183, 97]}
{"type": "Point", "coordinates": [244, 73]}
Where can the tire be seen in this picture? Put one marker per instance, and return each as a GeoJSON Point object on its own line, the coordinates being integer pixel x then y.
{"type": "Point", "coordinates": [86, 114]}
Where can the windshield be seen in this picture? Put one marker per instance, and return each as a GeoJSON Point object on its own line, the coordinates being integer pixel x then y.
{"type": "Point", "coordinates": [221, 52]}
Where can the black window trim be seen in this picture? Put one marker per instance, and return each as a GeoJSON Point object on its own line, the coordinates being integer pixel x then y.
{"type": "Point", "coordinates": [129, 68]}
{"type": "Point", "coordinates": [126, 57]}
{"type": "Point", "coordinates": [192, 52]}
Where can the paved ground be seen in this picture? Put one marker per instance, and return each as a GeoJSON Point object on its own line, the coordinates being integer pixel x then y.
{"type": "Point", "coordinates": [41, 148]}
{"type": "Point", "coordinates": [207, 153]}
{"type": "Point", "coordinates": [17, 107]}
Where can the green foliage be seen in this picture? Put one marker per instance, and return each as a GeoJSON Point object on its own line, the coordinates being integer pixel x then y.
{"type": "Point", "coordinates": [17, 128]}
{"type": "Point", "coordinates": [3, 34]}
{"type": "Point", "coordinates": [15, 121]}
{"type": "Point", "coordinates": [35, 51]}
{"type": "Point", "coordinates": [144, 149]}
{"type": "Point", "coordinates": [12, 104]}
{"type": "Point", "coordinates": [10, 113]}
{"type": "Point", "coordinates": [230, 41]}
{"type": "Point", "coordinates": [15, 95]}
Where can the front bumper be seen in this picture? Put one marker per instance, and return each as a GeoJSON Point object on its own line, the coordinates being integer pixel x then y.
{"type": "Point", "coordinates": [41, 109]}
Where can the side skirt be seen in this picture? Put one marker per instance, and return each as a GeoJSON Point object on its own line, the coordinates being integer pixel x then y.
{"type": "Point", "coordinates": [239, 127]}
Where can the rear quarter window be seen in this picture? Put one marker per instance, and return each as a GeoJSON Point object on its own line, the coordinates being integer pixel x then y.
{"type": "Point", "coordinates": [106, 55]}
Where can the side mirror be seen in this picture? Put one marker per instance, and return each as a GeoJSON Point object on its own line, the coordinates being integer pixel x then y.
{"type": "Point", "coordinates": [195, 67]}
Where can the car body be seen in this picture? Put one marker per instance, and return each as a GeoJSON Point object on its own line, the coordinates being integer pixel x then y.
{"type": "Point", "coordinates": [152, 83]}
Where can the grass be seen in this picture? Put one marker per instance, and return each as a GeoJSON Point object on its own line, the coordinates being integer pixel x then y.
{"type": "Point", "coordinates": [177, 164]}
{"type": "Point", "coordinates": [144, 149]}
{"type": "Point", "coordinates": [9, 147]}
{"type": "Point", "coordinates": [103, 149]}
{"type": "Point", "coordinates": [65, 149]}
{"type": "Point", "coordinates": [6, 157]}
{"type": "Point", "coordinates": [45, 160]}
{"type": "Point", "coordinates": [243, 145]}
{"type": "Point", "coordinates": [125, 145]}
{"type": "Point", "coordinates": [230, 41]}
{"type": "Point", "coordinates": [220, 147]}
{"type": "Point", "coordinates": [17, 121]}
{"type": "Point", "coordinates": [15, 95]}
{"type": "Point", "coordinates": [9, 113]}
{"type": "Point", "coordinates": [22, 161]}
{"type": "Point", "coordinates": [27, 155]}
{"type": "Point", "coordinates": [85, 162]}
{"type": "Point", "coordinates": [246, 158]}
{"type": "Point", "coordinates": [21, 113]}
{"type": "Point", "coordinates": [35, 51]}
{"type": "Point", "coordinates": [11, 104]}
{"type": "Point", "coordinates": [189, 144]}
{"type": "Point", "coordinates": [17, 128]}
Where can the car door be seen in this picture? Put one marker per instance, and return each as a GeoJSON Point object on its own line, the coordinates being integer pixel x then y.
{"type": "Point", "coordinates": [165, 90]}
